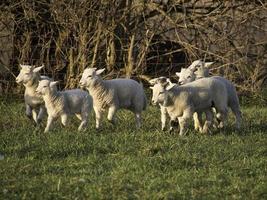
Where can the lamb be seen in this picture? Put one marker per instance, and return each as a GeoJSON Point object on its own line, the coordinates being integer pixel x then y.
{"type": "Point", "coordinates": [187, 75]}
{"type": "Point", "coordinates": [201, 70]}
{"type": "Point", "coordinates": [163, 109]}
{"type": "Point", "coordinates": [29, 76]}
{"type": "Point", "coordinates": [64, 103]}
{"type": "Point", "coordinates": [113, 94]}
{"type": "Point", "coordinates": [199, 96]}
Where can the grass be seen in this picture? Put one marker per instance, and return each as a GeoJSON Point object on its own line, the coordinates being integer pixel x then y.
{"type": "Point", "coordinates": [123, 163]}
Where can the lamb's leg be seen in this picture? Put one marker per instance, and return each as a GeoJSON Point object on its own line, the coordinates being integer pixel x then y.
{"type": "Point", "coordinates": [84, 119]}
{"type": "Point", "coordinates": [163, 117]}
{"type": "Point", "coordinates": [238, 116]}
{"type": "Point", "coordinates": [221, 117]}
{"type": "Point", "coordinates": [41, 114]}
{"type": "Point", "coordinates": [28, 111]}
{"type": "Point", "coordinates": [197, 121]}
{"type": "Point", "coordinates": [98, 117]}
{"type": "Point", "coordinates": [83, 125]}
{"type": "Point", "coordinates": [138, 120]}
{"type": "Point", "coordinates": [111, 113]}
{"type": "Point", "coordinates": [182, 124]}
{"type": "Point", "coordinates": [183, 121]}
{"type": "Point", "coordinates": [34, 115]}
{"type": "Point", "coordinates": [49, 124]}
{"type": "Point", "coordinates": [208, 122]}
{"type": "Point", "coordinates": [217, 121]}
{"type": "Point", "coordinates": [64, 118]}
{"type": "Point", "coordinates": [173, 123]}
{"type": "Point", "coordinates": [221, 113]}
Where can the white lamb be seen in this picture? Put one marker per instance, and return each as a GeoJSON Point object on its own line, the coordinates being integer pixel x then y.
{"type": "Point", "coordinates": [29, 76]}
{"type": "Point", "coordinates": [163, 109]}
{"type": "Point", "coordinates": [64, 103]}
{"type": "Point", "coordinates": [113, 94]}
{"type": "Point", "coordinates": [199, 96]}
{"type": "Point", "coordinates": [201, 70]}
{"type": "Point", "coordinates": [187, 75]}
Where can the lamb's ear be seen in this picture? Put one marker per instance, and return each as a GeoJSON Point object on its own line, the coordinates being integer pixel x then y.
{"type": "Point", "coordinates": [151, 87]}
{"type": "Point", "coordinates": [194, 64]}
{"type": "Point", "coordinates": [20, 66]}
{"type": "Point", "coordinates": [53, 83]}
{"type": "Point", "coordinates": [164, 84]}
{"type": "Point", "coordinates": [169, 81]}
{"type": "Point", "coordinates": [194, 69]}
{"type": "Point", "coordinates": [178, 74]}
{"type": "Point", "coordinates": [32, 67]}
{"type": "Point", "coordinates": [153, 81]}
{"type": "Point", "coordinates": [207, 64]}
{"type": "Point", "coordinates": [93, 68]}
{"type": "Point", "coordinates": [100, 71]}
{"type": "Point", "coordinates": [37, 69]}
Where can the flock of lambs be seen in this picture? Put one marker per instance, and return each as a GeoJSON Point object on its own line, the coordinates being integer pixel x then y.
{"type": "Point", "coordinates": [196, 93]}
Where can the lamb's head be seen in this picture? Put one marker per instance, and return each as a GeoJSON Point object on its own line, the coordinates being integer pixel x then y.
{"type": "Point", "coordinates": [27, 74]}
{"type": "Point", "coordinates": [195, 64]}
{"type": "Point", "coordinates": [203, 70]}
{"type": "Point", "coordinates": [185, 76]}
{"type": "Point", "coordinates": [90, 76]}
{"type": "Point", "coordinates": [46, 86]}
{"type": "Point", "coordinates": [160, 86]}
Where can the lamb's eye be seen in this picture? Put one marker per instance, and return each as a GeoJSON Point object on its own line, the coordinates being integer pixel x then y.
{"type": "Point", "coordinates": [189, 77]}
{"type": "Point", "coordinates": [161, 92]}
{"type": "Point", "coordinates": [27, 73]}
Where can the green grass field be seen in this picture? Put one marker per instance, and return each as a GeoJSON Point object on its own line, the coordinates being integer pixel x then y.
{"type": "Point", "coordinates": [124, 163]}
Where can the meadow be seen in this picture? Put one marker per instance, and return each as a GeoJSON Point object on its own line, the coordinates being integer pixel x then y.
{"type": "Point", "coordinates": [124, 163]}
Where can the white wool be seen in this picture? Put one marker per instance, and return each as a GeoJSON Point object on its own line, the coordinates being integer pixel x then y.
{"type": "Point", "coordinates": [203, 71]}
{"type": "Point", "coordinates": [104, 97]}
{"type": "Point", "coordinates": [163, 110]}
{"type": "Point", "coordinates": [65, 103]}
{"type": "Point", "coordinates": [198, 96]}
{"type": "Point", "coordinates": [113, 95]}
{"type": "Point", "coordinates": [29, 76]}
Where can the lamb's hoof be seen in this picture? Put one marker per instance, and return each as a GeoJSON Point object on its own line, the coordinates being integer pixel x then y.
{"type": "Point", "coordinates": [29, 117]}
{"type": "Point", "coordinates": [206, 131]}
{"type": "Point", "coordinates": [171, 130]}
{"type": "Point", "coordinates": [183, 133]}
{"type": "Point", "coordinates": [198, 128]}
{"type": "Point", "coordinates": [215, 126]}
{"type": "Point", "coordinates": [221, 126]}
{"type": "Point", "coordinates": [163, 129]}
